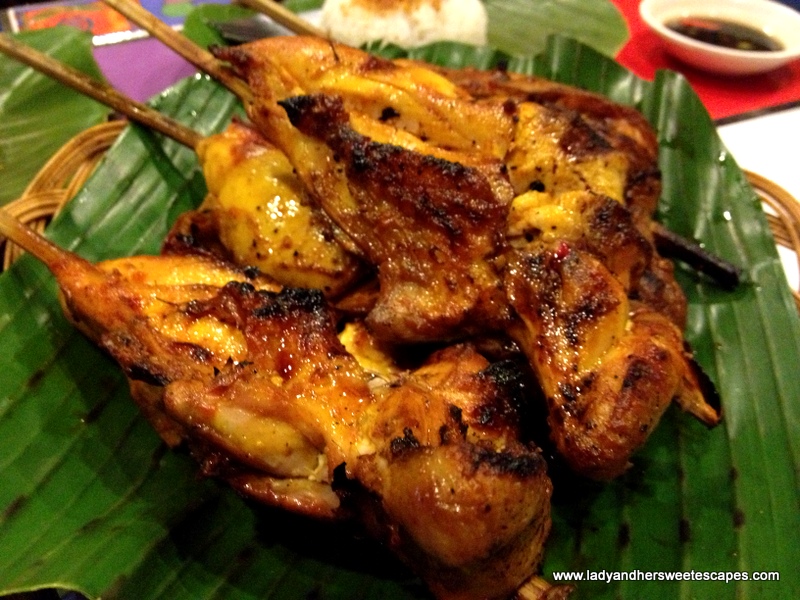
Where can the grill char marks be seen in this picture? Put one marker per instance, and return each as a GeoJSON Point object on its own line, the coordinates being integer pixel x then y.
{"type": "Point", "coordinates": [431, 226]}
{"type": "Point", "coordinates": [609, 367]}
{"type": "Point", "coordinates": [471, 535]}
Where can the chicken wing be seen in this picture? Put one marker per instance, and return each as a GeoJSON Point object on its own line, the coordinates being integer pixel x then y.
{"type": "Point", "coordinates": [256, 381]}
{"type": "Point", "coordinates": [432, 227]}
{"type": "Point", "coordinates": [589, 143]}
{"type": "Point", "coordinates": [127, 307]}
{"type": "Point", "coordinates": [442, 450]}
{"type": "Point", "coordinates": [608, 367]}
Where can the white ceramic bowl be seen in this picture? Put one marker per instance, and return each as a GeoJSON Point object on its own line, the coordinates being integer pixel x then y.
{"type": "Point", "coordinates": [772, 18]}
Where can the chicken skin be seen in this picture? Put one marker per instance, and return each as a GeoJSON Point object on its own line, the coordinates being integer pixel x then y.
{"type": "Point", "coordinates": [257, 213]}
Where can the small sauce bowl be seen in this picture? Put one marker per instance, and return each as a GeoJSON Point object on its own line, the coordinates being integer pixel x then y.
{"type": "Point", "coordinates": [775, 20]}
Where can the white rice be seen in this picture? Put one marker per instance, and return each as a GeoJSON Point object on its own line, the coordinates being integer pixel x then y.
{"type": "Point", "coordinates": [406, 23]}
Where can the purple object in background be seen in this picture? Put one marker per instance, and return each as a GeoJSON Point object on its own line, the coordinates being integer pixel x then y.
{"type": "Point", "coordinates": [141, 68]}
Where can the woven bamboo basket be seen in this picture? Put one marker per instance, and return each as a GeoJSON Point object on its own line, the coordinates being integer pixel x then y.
{"type": "Point", "coordinates": [68, 169]}
{"type": "Point", "coordinates": [59, 180]}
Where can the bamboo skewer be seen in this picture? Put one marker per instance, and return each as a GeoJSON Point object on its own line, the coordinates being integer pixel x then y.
{"type": "Point", "coordinates": [538, 588]}
{"type": "Point", "coordinates": [97, 90]}
{"type": "Point", "coordinates": [201, 58]}
{"type": "Point", "coordinates": [281, 14]}
{"type": "Point", "coordinates": [31, 241]}
{"type": "Point", "coordinates": [182, 45]}
{"type": "Point", "coordinates": [671, 244]}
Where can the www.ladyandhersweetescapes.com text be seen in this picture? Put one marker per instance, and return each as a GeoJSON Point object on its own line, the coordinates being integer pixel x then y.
{"type": "Point", "coordinates": [637, 575]}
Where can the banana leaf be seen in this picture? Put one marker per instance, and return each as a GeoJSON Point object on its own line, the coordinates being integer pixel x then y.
{"type": "Point", "coordinates": [521, 27]}
{"type": "Point", "coordinates": [515, 26]}
{"type": "Point", "coordinates": [37, 115]}
{"type": "Point", "coordinates": [92, 501]}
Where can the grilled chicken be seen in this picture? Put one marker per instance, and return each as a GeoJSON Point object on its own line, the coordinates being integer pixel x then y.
{"type": "Point", "coordinates": [127, 306]}
{"type": "Point", "coordinates": [488, 207]}
{"type": "Point", "coordinates": [601, 126]}
{"type": "Point", "coordinates": [467, 500]}
{"type": "Point", "coordinates": [568, 142]}
{"type": "Point", "coordinates": [255, 380]}
{"type": "Point", "coordinates": [613, 147]}
{"type": "Point", "coordinates": [608, 367]}
{"type": "Point", "coordinates": [429, 216]}
{"type": "Point", "coordinates": [449, 212]}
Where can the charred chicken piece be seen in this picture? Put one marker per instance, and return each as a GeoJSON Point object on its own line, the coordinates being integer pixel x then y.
{"type": "Point", "coordinates": [570, 136]}
{"type": "Point", "coordinates": [127, 306]}
{"type": "Point", "coordinates": [277, 422]}
{"type": "Point", "coordinates": [256, 382]}
{"type": "Point", "coordinates": [446, 459]}
{"type": "Point", "coordinates": [605, 228]}
{"type": "Point", "coordinates": [432, 227]}
{"type": "Point", "coordinates": [420, 457]}
{"type": "Point", "coordinates": [594, 223]}
{"type": "Point", "coordinates": [608, 367]}
{"type": "Point", "coordinates": [417, 210]}
{"type": "Point", "coordinates": [460, 499]}
{"type": "Point", "coordinates": [603, 123]}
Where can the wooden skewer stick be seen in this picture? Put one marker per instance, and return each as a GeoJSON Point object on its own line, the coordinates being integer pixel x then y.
{"type": "Point", "coordinates": [538, 588]}
{"type": "Point", "coordinates": [183, 46]}
{"type": "Point", "coordinates": [27, 239]}
{"type": "Point", "coordinates": [673, 245]}
{"type": "Point", "coordinates": [281, 14]}
{"type": "Point", "coordinates": [200, 58]}
{"type": "Point", "coordinates": [97, 90]}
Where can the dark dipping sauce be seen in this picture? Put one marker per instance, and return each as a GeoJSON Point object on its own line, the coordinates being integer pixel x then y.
{"type": "Point", "coordinates": [724, 33]}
